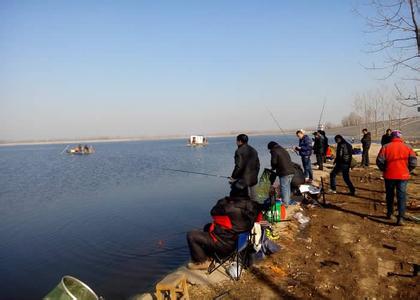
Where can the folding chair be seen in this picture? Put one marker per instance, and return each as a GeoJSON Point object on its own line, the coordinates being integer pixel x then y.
{"type": "Point", "coordinates": [239, 255]}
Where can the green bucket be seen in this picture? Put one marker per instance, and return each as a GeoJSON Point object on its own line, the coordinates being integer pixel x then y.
{"type": "Point", "coordinates": [71, 288]}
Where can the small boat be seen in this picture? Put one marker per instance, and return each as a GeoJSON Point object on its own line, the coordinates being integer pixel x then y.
{"type": "Point", "coordinates": [197, 140]}
{"type": "Point", "coordinates": [81, 150]}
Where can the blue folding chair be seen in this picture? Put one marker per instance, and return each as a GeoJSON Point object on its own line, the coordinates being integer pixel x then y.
{"type": "Point", "coordinates": [239, 255]}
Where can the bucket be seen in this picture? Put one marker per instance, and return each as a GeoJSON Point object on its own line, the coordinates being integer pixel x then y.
{"type": "Point", "coordinates": [71, 288]}
{"type": "Point", "coordinates": [277, 213]}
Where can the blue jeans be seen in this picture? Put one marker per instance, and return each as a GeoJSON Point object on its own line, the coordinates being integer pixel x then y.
{"type": "Point", "coordinates": [401, 187]}
{"type": "Point", "coordinates": [285, 182]}
{"type": "Point", "coordinates": [307, 167]}
{"type": "Point", "coordinates": [345, 170]}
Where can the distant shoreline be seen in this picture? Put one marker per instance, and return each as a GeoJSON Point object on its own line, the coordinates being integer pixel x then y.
{"type": "Point", "coordinates": [133, 139]}
{"type": "Point", "coordinates": [411, 130]}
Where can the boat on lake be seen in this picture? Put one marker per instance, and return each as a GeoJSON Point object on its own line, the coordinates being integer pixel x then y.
{"type": "Point", "coordinates": [81, 150]}
{"type": "Point", "coordinates": [197, 140]}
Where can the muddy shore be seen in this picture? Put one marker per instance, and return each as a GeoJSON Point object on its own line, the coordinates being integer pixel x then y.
{"type": "Point", "coordinates": [348, 250]}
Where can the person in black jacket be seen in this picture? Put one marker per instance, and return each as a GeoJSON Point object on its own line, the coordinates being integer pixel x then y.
{"type": "Point", "coordinates": [366, 142]}
{"type": "Point", "coordinates": [386, 138]}
{"type": "Point", "coordinates": [247, 164]}
{"type": "Point", "coordinates": [231, 215]}
{"type": "Point", "coordinates": [319, 149]}
{"type": "Point", "coordinates": [325, 144]}
{"type": "Point", "coordinates": [282, 166]}
{"type": "Point", "coordinates": [342, 164]}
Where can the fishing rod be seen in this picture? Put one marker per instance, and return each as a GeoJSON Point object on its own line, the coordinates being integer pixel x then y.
{"type": "Point", "coordinates": [322, 112]}
{"type": "Point", "coordinates": [275, 120]}
{"type": "Point", "coordinates": [198, 173]}
{"type": "Point", "coordinates": [64, 149]}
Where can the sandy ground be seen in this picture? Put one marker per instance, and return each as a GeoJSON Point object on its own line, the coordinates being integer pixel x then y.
{"type": "Point", "coordinates": [346, 251]}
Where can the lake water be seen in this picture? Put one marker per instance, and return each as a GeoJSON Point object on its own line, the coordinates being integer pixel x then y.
{"type": "Point", "coordinates": [113, 219]}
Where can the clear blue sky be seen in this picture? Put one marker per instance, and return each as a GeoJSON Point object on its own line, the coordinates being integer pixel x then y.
{"type": "Point", "coordinates": [105, 68]}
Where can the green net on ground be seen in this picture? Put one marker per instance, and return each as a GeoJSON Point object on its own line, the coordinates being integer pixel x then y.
{"type": "Point", "coordinates": [263, 187]}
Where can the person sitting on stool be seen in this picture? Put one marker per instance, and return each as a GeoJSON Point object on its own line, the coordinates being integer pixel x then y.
{"type": "Point", "coordinates": [231, 216]}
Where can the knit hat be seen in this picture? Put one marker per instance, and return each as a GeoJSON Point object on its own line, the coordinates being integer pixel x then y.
{"type": "Point", "coordinates": [396, 133]}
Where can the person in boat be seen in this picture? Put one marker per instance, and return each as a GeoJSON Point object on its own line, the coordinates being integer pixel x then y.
{"type": "Point", "coordinates": [247, 165]}
{"type": "Point", "coordinates": [386, 138]}
{"type": "Point", "coordinates": [305, 152]}
{"type": "Point", "coordinates": [86, 149]}
{"type": "Point", "coordinates": [396, 160]}
{"type": "Point", "coordinates": [319, 149]}
{"type": "Point", "coordinates": [342, 165]}
{"type": "Point", "coordinates": [231, 215]}
{"type": "Point", "coordinates": [79, 149]}
{"type": "Point", "coordinates": [281, 166]}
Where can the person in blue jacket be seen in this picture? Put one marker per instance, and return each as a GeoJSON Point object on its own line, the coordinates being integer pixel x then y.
{"type": "Point", "coordinates": [305, 151]}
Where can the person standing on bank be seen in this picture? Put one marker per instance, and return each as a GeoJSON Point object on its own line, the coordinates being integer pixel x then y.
{"type": "Point", "coordinates": [282, 166]}
{"type": "Point", "coordinates": [386, 138]}
{"type": "Point", "coordinates": [247, 165]}
{"type": "Point", "coordinates": [342, 164]}
{"type": "Point", "coordinates": [325, 144]}
{"type": "Point", "coordinates": [319, 149]}
{"type": "Point", "coordinates": [305, 152]}
{"type": "Point", "coordinates": [366, 142]}
{"type": "Point", "coordinates": [396, 160]}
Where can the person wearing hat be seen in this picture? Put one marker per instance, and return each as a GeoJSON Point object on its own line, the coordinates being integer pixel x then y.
{"type": "Point", "coordinates": [231, 215]}
{"type": "Point", "coordinates": [281, 166]}
{"type": "Point", "coordinates": [305, 151]}
{"type": "Point", "coordinates": [396, 160]}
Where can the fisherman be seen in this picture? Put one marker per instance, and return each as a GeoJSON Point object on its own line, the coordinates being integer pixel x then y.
{"type": "Point", "coordinates": [305, 152]}
{"type": "Point", "coordinates": [325, 144]}
{"type": "Point", "coordinates": [396, 160]}
{"type": "Point", "coordinates": [386, 138]}
{"type": "Point", "coordinates": [319, 149]}
{"type": "Point", "coordinates": [247, 165]}
{"type": "Point", "coordinates": [366, 142]}
{"type": "Point", "coordinates": [342, 164]}
{"type": "Point", "coordinates": [231, 215]}
{"type": "Point", "coordinates": [281, 166]}
{"type": "Point", "coordinates": [86, 149]}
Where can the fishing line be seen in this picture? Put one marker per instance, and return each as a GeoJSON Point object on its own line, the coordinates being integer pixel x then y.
{"type": "Point", "coordinates": [197, 173]}
{"type": "Point", "coordinates": [275, 120]}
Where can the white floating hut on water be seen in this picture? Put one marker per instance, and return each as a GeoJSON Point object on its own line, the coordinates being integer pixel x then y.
{"type": "Point", "coordinates": [197, 140]}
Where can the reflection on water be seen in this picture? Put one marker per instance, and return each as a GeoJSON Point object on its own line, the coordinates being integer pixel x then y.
{"type": "Point", "coordinates": [113, 219]}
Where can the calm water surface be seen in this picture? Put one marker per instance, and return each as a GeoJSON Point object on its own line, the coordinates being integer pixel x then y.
{"type": "Point", "coordinates": [113, 219]}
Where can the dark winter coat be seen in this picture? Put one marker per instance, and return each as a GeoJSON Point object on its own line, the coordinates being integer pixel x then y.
{"type": "Point", "coordinates": [325, 143]}
{"type": "Point", "coordinates": [298, 177]}
{"type": "Point", "coordinates": [386, 139]}
{"type": "Point", "coordinates": [319, 145]}
{"type": "Point", "coordinates": [231, 216]}
{"type": "Point", "coordinates": [247, 165]}
{"type": "Point", "coordinates": [344, 153]}
{"type": "Point", "coordinates": [366, 141]}
{"type": "Point", "coordinates": [281, 162]}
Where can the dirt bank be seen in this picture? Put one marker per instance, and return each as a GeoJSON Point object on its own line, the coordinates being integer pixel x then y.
{"type": "Point", "coordinates": [346, 252]}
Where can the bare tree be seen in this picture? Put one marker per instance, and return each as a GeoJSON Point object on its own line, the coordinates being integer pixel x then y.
{"type": "Point", "coordinates": [353, 119]}
{"type": "Point", "coordinates": [395, 24]}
